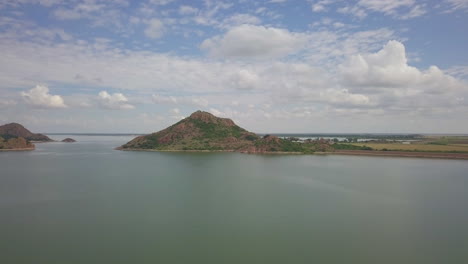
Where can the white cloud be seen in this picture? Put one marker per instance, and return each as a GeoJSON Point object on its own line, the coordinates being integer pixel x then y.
{"type": "Point", "coordinates": [99, 13]}
{"type": "Point", "coordinates": [239, 19]}
{"type": "Point", "coordinates": [114, 101]}
{"type": "Point", "coordinates": [159, 99]}
{"type": "Point", "coordinates": [187, 10]}
{"type": "Point", "coordinates": [245, 80]}
{"type": "Point", "coordinates": [343, 98]}
{"type": "Point", "coordinates": [249, 41]}
{"type": "Point", "coordinates": [160, 2]}
{"type": "Point", "coordinates": [400, 9]}
{"type": "Point", "coordinates": [208, 16]}
{"type": "Point", "coordinates": [321, 6]}
{"type": "Point", "coordinates": [387, 7]}
{"type": "Point", "coordinates": [313, 83]}
{"type": "Point", "coordinates": [454, 5]}
{"type": "Point", "coordinates": [181, 100]}
{"type": "Point", "coordinates": [458, 71]}
{"type": "Point", "coordinates": [4, 103]}
{"type": "Point", "coordinates": [416, 11]}
{"type": "Point", "coordinates": [67, 14]}
{"type": "Point", "coordinates": [389, 68]}
{"type": "Point", "coordinates": [155, 28]}
{"type": "Point", "coordinates": [39, 97]}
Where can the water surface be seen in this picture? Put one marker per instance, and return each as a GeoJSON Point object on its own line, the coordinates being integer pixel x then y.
{"type": "Point", "coordinates": [87, 203]}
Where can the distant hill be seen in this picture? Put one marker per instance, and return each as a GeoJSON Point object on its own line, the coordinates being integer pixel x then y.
{"type": "Point", "coordinates": [202, 131]}
{"type": "Point", "coordinates": [17, 130]}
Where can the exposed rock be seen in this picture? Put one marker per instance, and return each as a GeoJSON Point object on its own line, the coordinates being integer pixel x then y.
{"type": "Point", "coordinates": [69, 140]}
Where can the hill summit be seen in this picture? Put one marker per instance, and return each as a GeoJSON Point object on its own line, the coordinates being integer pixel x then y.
{"type": "Point", "coordinates": [202, 131]}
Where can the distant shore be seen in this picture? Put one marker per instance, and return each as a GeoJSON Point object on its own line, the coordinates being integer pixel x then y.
{"type": "Point", "coordinates": [408, 154]}
{"type": "Point", "coordinates": [18, 149]}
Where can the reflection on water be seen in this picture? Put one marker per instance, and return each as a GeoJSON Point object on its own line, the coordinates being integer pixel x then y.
{"type": "Point", "coordinates": [87, 203]}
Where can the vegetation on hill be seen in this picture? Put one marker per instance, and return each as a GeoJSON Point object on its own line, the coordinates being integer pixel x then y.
{"type": "Point", "coordinates": [8, 142]}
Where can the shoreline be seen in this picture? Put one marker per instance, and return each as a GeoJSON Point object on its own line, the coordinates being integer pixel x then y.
{"type": "Point", "coordinates": [375, 153]}
{"type": "Point", "coordinates": [209, 151]}
{"type": "Point", "coordinates": [18, 149]}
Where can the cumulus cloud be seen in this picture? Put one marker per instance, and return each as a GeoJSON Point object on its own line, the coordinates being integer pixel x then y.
{"type": "Point", "coordinates": [250, 41]}
{"type": "Point", "coordinates": [155, 28]}
{"type": "Point", "coordinates": [114, 101]}
{"type": "Point", "coordinates": [39, 97]}
{"type": "Point", "coordinates": [373, 81]}
{"type": "Point", "coordinates": [245, 80]}
{"type": "Point", "coordinates": [388, 68]}
{"type": "Point", "coordinates": [343, 98]}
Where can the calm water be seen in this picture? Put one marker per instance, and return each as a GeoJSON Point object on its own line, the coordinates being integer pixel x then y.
{"type": "Point", "coordinates": [87, 203]}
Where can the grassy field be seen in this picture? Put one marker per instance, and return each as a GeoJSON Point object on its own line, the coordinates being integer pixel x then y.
{"type": "Point", "coordinates": [416, 147]}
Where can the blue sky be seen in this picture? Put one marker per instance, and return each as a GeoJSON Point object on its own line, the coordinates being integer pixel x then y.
{"type": "Point", "coordinates": [272, 66]}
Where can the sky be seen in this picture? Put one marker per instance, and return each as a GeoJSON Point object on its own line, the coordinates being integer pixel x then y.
{"type": "Point", "coordinates": [313, 66]}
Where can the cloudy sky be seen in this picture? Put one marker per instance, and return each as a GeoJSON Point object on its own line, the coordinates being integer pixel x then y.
{"type": "Point", "coordinates": [271, 65]}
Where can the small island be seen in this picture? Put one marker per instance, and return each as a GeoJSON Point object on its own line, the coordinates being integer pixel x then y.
{"type": "Point", "coordinates": [14, 136]}
{"type": "Point", "coordinates": [69, 140]}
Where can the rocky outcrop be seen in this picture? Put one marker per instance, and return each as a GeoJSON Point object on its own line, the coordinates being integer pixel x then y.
{"type": "Point", "coordinates": [69, 140]}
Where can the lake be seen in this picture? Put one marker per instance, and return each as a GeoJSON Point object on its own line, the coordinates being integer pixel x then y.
{"type": "Point", "coordinates": [87, 203]}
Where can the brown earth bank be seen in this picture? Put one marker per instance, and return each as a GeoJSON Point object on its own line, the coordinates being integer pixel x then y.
{"type": "Point", "coordinates": [410, 154]}
{"type": "Point", "coordinates": [15, 143]}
